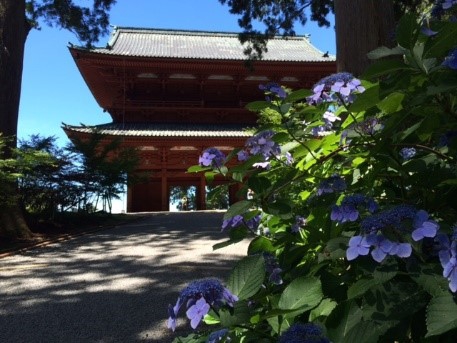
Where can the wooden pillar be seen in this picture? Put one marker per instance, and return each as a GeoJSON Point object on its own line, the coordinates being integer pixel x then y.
{"type": "Point", "coordinates": [129, 198]}
{"type": "Point", "coordinates": [201, 194]}
{"type": "Point", "coordinates": [164, 192]}
{"type": "Point", "coordinates": [233, 196]}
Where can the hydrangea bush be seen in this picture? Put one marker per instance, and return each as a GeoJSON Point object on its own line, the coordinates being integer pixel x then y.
{"type": "Point", "coordinates": [353, 221]}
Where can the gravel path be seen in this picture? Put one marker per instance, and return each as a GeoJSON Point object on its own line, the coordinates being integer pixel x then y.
{"type": "Point", "coordinates": [113, 285]}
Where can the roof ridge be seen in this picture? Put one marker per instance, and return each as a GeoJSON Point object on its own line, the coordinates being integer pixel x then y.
{"type": "Point", "coordinates": [191, 32]}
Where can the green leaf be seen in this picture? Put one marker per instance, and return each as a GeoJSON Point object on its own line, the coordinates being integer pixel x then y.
{"type": "Point", "coordinates": [368, 331]}
{"type": "Point", "coordinates": [257, 106]}
{"type": "Point", "coordinates": [344, 317]}
{"type": "Point", "coordinates": [324, 309]}
{"type": "Point", "coordinates": [366, 100]}
{"type": "Point", "coordinates": [298, 95]}
{"type": "Point", "coordinates": [384, 67]}
{"type": "Point", "coordinates": [407, 31]}
{"type": "Point", "coordinates": [247, 277]}
{"type": "Point", "coordinates": [240, 315]}
{"type": "Point", "coordinates": [362, 286]}
{"type": "Point", "coordinates": [196, 169]}
{"type": "Point", "coordinates": [392, 103]}
{"type": "Point", "coordinates": [260, 244]}
{"type": "Point", "coordinates": [302, 293]}
{"type": "Point", "coordinates": [239, 207]}
{"type": "Point", "coordinates": [441, 315]}
{"type": "Point", "coordinates": [279, 208]}
{"type": "Point", "coordinates": [259, 183]}
{"type": "Point", "coordinates": [384, 51]}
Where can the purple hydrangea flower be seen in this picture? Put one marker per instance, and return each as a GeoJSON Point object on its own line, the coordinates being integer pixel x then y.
{"type": "Point", "coordinates": [450, 273]}
{"type": "Point", "coordinates": [358, 246]}
{"type": "Point", "coordinates": [197, 311]}
{"type": "Point", "coordinates": [242, 155]}
{"type": "Point", "coordinates": [334, 183]}
{"type": "Point", "coordinates": [428, 31]}
{"type": "Point", "coordinates": [262, 144]}
{"type": "Point", "coordinates": [407, 153]}
{"type": "Point", "coordinates": [448, 258]}
{"type": "Point", "coordinates": [218, 336]}
{"type": "Point", "coordinates": [335, 87]}
{"type": "Point", "coordinates": [275, 89]}
{"type": "Point", "coordinates": [451, 60]}
{"type": "Point", "coordinates": [300, 222]}
{"type": "Point", "coordinates": [423, 227]}
{"type": "Point", "coordinates": [303, 333]}
{"type": "Point", "coordinates": [369, 126]}
{"type": "Point", "coordinates": [402, 250]}
{"type": "Point", "coordinates": [212, 157]}
{"type": "Point", "coordinates": [205, 291]}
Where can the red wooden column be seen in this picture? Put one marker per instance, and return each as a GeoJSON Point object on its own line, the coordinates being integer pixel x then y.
{"type": "Point", "coordinates": [201, 194]}
{"type": "Point", "coordinates": [164, 191]}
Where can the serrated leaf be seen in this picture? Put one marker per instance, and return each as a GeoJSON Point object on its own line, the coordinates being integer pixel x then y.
{"type": "Point", "coordinates": [302, 293]}
{"type": "Point", "coordinates": [297, 95]}
{"type": "Point", "coordinates": [445, 40]}
{"type": "Point", "coordinates": [441, 315]}
{"type": "Point", "coordinates": [368, 331]}
{"type": "Point", "coordinates": [247, 277]}
{"type": "Point", "coordinates": [260, 244]}
{"type": "Point", "coordinates": [345, 316]}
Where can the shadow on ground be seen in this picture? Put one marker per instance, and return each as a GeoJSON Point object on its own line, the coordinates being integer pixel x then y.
{"type": "Point", "coordinates": [113, 285]}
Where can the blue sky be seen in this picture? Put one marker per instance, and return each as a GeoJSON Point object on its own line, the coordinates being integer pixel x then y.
{"type": "Point", "coordinates": [53, 90]}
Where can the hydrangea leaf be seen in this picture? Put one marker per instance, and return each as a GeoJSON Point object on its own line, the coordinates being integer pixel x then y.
{"type": "Point", "coordinates": [238, 208]}
{"type": "Point", "coordinates": [241, 314]}
{"type": "Point", "coordinates": [247, 276]}
{"type": "Point", "coordinates": [368, 331]}
{"type": "Point", "coordinates": [260, 244]}
{"type": "Point", "coordinates": [256, 106]}
{"type": "Point", "coordinates": [342, 319]}
{"type": "Point", "coordinates": [302, 293]}
{"type": "Point", "coordinates": [445, 40]}
{"type": "Point", "coordinates": [384, 51]}
{"type": "Point", "coordinates": [407, 31]}
{"type": "Point", "coordinates": [441, 315]}
{"type": "Point", "coordinates": [324, 309]}
{"type": "Point", "coordinates": [392, 103]}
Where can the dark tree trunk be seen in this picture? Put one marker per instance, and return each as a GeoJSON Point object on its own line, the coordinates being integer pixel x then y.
{"type": "Point", "coordinates": [361, 26]}
{"type": "Point", "coordinates": [14, 29]}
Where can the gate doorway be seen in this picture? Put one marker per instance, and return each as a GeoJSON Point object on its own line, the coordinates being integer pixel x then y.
{"type": "Point", "coordinates": [183, 198]}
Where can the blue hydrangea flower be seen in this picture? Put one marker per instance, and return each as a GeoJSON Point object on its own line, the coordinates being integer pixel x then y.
{"type": "Point", "coordinates": [392, 217]}
{"type": "Point", "coordinates": [335, 87]}
{"type": "Point", "coordinates": [212, 157]}
{"type": "Point", "coordinates": [300, 222]}
{"type": "Point", "coordinates": [238, 220]}
{"type": "Point", "coordinates": [205, 291]}
{"type": "Point", "coordinates": [260, 144]}
{"type": "Point", "coordinates": [348, 210]}
{"type": "Point", "coordinates": [242, 155]}
{"type": "Point", "coordinates": [382, 247]}
{"type": "Point", "coordinates": [447, 4]}
{"type": "Point", "coordinates": [218, 336]}
{"type": "Point", "coordinates": [303, 333]}
{"type": "Point", "coordinates": [358, 246]}
{"type": "Point", "coordinates": [450, 273]}
{"type": "Point", "coordinates": [402, 250]}
{"type": "Point", "coordinates": [427, 31]}
{"type": "Point", "coordinates": [272, 268]}
{"type": "Point", "coordinates": [448, 258]}
{"type": "Point", "coordinates": [423, 227]}
{"type": "Point", "coordinates": [407, 153]}
{"type": "Point", "coordinates": [197, 311]}
{"type": "Point", "coordinates": [334, 183]}
{"type": "Point", "coordinates": [451, 60]}
{"type": "Point", "coordinates": [275, 89]}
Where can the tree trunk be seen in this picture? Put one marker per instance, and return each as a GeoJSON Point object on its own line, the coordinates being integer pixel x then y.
{"type": "Point", "coordinates": [14, 29]}
{"type": "Point", "coordinates": [361, 26]}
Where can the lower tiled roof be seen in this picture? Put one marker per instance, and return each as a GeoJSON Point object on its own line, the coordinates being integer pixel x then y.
{"type": "Point", "coordinates": [164, 130]}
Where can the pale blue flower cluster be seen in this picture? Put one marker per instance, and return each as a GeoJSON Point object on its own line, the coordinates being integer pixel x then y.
{"type": "Point", "coordinates": [448, 258]}
{"type": "Point", "coordinates": [300, 222]}
{"type": "Point", "coordinates": [199, 296]}
{"type": "Point", "coordinates": [303, 333]}
{"type": "Point", "coordinates": [329, 119]}
{"type": "Point", "coordinates": [260, 144]}
{"type": "Point", "coordinates": [336, 88]}
{"type": "Point", "coordinates": [407, 153]}
{"type": "Point", "coordinates": [212, 157]}
{"type": "Point", "coordinates": [400, 219]}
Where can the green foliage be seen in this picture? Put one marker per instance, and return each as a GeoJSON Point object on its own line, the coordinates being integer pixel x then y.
{"type": "Point", "coordinates": [361, 271]}
{"type": "Point", "coordinates": [87, 23]}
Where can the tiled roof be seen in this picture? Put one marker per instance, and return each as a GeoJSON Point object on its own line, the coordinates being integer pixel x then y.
{"type": "Point", "coordinates": [204, 45]}
{"type": "Point", "coordinates": [163, 130]}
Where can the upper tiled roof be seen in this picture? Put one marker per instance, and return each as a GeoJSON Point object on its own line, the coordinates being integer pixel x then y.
{"type": "Point", "coordinates": [204, 45]}
{"type": "Point", "coordinates": [164, 130]}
